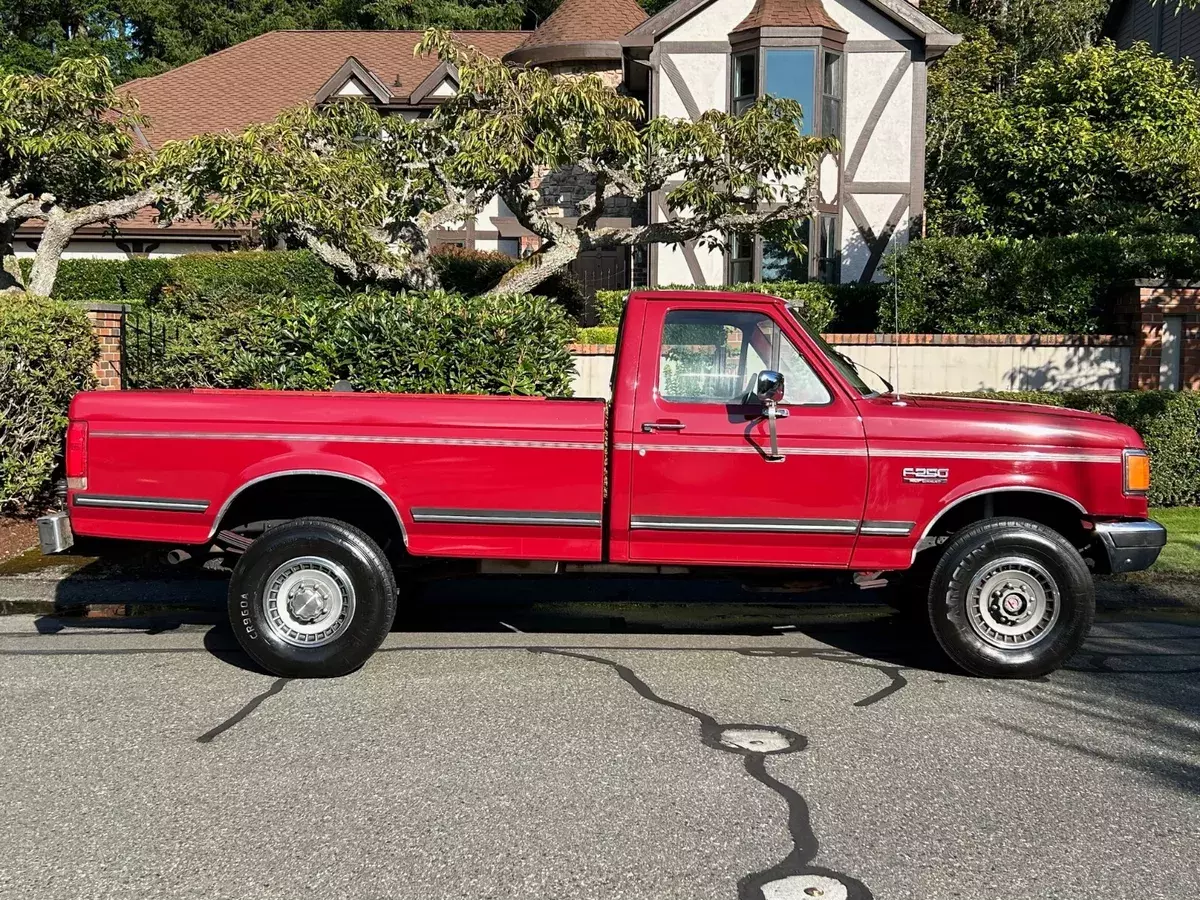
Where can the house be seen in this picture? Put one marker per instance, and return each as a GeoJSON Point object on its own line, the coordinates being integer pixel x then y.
{"type": "Point", "coordinates": [857, 67]}
{"type": "Point", "coordinates": [1169, 29]}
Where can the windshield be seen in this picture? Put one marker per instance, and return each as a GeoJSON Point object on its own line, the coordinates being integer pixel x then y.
{"type": "Point", "coordinates": [844, 364]}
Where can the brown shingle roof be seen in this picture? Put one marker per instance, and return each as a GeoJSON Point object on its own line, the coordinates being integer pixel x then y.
{"type": "Point", "coordinates": [576, 21]}
{"type": "Point", "coordinates": [255, 80]}
{"type": "Point", "coordinates": [788, 14]}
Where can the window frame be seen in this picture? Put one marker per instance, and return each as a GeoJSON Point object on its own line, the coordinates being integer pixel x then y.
{"type": "Point", "coordinates": [782, 334]}
{"type": "Point", "coordinates": [753, 44]}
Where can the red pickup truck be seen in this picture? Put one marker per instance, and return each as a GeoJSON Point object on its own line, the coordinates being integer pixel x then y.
{"type": "Point", "coordinates": [736, 437]}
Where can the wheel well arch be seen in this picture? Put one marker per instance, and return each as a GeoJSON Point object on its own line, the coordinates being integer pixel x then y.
{"type": "Point", "coordinates": [294, 493]}
{"type": "Point", "coordinates": [1058, 511]}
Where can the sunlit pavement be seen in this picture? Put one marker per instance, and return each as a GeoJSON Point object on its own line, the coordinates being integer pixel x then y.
{"type": "Point", "coordinates": [628, 746]}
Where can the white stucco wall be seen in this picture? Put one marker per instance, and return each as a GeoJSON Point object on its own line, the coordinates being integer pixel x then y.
{"type": "Point", "coordinates": [932, 369]}
{"type": "Point", "coordinates": [886, 159]}
{"type": "Point", "coordinates": [862, 22]}
{"type": "Point", "coordinates": [713, 23]}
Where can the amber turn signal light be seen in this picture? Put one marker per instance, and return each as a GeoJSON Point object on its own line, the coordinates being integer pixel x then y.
{"type": "Point", "coordinates": [1137, 471]}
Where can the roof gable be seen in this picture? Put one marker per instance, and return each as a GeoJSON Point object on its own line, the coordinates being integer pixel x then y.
{"type": "Point", "coordinates": [353, 80]}
{"type": "Point", "coordinates": [901, 12]}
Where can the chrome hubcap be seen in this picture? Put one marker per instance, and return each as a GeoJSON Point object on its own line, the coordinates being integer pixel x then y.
{"type": "Point", "coordinates": [309, 601]}
{"type": "Point", "coordinates": [1013, 603]}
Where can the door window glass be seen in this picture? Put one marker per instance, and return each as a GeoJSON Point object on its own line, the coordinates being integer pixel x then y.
{"type": "Point", "coordinates": [715, 357]}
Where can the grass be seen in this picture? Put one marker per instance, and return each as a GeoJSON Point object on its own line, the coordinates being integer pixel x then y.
{"type": "Point", "coordinates": [1181, 556]}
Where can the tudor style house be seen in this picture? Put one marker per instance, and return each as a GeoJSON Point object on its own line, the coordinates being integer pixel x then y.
{"type": "Point", "coordinates": [857, 67]}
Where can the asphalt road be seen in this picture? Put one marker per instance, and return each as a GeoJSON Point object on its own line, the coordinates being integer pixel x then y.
{"type": "Point", "coordinates": [612, 749]}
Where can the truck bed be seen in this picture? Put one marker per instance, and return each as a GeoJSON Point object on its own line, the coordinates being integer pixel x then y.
{"type": "Point", "coordinates": [499, 477]}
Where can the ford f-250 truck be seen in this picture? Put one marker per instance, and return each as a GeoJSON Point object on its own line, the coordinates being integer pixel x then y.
{"type": "Point", "coordinates": [736, 437]}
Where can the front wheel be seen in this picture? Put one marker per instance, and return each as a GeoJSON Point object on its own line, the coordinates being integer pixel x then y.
{"type": "Point", "coordinates": [312, 598]}
{"type": "Point", "coordinates": [1011, 598]}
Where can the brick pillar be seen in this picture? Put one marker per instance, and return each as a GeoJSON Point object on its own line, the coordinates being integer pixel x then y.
{"type": "Point", "coordinates": [1156, 301]}
{"type": "Point", "coordinates": [107, 321]}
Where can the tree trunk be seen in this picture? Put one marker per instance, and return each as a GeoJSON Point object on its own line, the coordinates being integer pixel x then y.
{"type": "Point", "coordinates": [60, 226]}
{"type": "Point", "coordinates": [11, 278]}
{"type": "Point", "coordinates": [55, 236]}
{"type": "Point", "coordinates": [529, 273]}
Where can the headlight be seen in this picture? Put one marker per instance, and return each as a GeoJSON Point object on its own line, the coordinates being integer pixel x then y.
{"type": "Point", "coordinates": [1137, 471]}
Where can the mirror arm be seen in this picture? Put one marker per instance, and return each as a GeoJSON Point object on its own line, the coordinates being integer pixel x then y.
{"type": "Point", "coordinates": [773, 412]}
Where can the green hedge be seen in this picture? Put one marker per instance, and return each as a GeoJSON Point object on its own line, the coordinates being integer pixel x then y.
{"type": "Point", "coordinates": [469, 272]}
{"type": "Point", "coordinates": [414, 343]}
{"type": "Point", "coordinates": [295, 273]}
{"type": "Point", "coordinates": [47, 351]}
{"type": "Point", "coordinates": [843, 307]}
{"type": "Point", "coordinates": [1168, 421]}
{"type": "Point", "coordinates": [1062, 285]}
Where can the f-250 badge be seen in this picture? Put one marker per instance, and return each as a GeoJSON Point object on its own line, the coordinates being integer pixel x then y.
{"type": "Point", "coordinates": [926, 476]}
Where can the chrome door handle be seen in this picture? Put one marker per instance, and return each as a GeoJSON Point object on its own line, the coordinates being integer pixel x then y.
{"type": "Point", "coordinates": [649, 427]}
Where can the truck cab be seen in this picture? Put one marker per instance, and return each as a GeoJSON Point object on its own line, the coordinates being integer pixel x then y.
{"type": "Point", "coordinates": [736, 437]}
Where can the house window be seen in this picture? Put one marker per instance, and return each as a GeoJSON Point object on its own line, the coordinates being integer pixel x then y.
{"type": "Point", "coordinates": [812, 76]}
{"type": "Point", "coordinates": [745, 80]}
{"type": "Point", "coordinates": [827, 249]}
{"type": "Point", "coordinates": [741, 258]}
{"type": "Point", "coordinates": [791, 74]}
{"type": "Point", "coordinates": [831, 95]}
{"type": "Point", "coordinates": [766, 260]}
{"type": "Point", "coordinates": [781, 264]}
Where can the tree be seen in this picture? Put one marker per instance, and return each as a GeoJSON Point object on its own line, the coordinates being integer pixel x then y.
{"type": "Point", "coordinates": [68, 158]}
{"type": "Point", "coordinates": [1099, 139]}
{"type": "Point", "coordinates": [368, 194]}
{"type": "Point", "coordinates": [145, 37]}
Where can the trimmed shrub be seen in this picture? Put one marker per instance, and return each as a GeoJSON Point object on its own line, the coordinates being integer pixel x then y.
{"type": "Point", "coordinates": [413, 343]}
{"type": "Point", "coordinates": [292, 273]}
{"type": "Point", "coordinates": [471, 272]}
{"type": "Point", "coordinates": [598, 334]}
{"type": "Point", "coordinates": [1062, 285]}
{"type": "Point", "coordinates": [609, 307]}
{"type": "Point", "coordinates": [47, 350]}
{"type": "Point", "coordinates": [1168, 421]}
{"type": "Point", "coordinates": [296, 273]}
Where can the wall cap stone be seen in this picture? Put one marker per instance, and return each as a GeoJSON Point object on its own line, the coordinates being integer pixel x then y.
{"type": "Point", "coordinates": [106, 307]}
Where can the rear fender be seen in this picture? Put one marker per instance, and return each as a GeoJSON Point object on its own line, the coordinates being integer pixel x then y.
{"type": "Point", "coordinates": [310, 464]}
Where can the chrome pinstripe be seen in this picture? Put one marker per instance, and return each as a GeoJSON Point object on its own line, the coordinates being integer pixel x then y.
{"type": "Point", "coordinates": [798, 526]}
{"type": "Point", "coordinates": [504, 517]}
{"type": "Point", "coordinates": [352, 439]}
{"type": "Point", "coordinates": [162, 504]}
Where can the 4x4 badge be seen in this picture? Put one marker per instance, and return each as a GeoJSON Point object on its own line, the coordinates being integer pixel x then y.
{"type": "Point", "coordinates": [926, 476]}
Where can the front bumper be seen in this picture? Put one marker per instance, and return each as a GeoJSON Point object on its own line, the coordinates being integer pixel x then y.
{"type": "Point", "coordinates": [54, 533]}
{"type": "Point", "coordinates": [1131, 546]}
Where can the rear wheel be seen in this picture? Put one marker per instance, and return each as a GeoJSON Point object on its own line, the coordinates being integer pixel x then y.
{"type": "Point", "coordinates": [312, 598]}
{"type": "Point", "coordinates": [1010, 598]}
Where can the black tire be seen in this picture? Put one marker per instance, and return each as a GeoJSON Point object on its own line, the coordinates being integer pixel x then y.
{"type": "Point", "coordinates": [1031, 555]}
{"type": "Point", "coordinates": [329, 567]}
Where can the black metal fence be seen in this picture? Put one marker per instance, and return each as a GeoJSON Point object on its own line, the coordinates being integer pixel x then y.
{"type": "Point", "coordinates": [145, 337]}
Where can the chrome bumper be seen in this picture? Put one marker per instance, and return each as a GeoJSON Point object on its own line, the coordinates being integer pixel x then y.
{"type": "Point", "coordinates": [54, 533]}
{"type": "Point", "coordinates": [1131, 546]}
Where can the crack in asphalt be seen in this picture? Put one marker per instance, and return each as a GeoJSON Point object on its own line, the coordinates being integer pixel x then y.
{"type": "Point", "coordinates": [276, 686]}
{"type": "Point", "coordinates": [794, 876]}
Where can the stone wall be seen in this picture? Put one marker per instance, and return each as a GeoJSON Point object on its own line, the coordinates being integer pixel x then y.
{"type": "Point", "coordinates": [946, 363]}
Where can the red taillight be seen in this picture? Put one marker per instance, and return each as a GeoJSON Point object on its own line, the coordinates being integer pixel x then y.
{"type": "Point", "coordinates": [77, 441]}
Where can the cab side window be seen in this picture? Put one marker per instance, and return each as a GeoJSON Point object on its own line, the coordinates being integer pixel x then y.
{"type": "Point", "coordinates": [713, 356]}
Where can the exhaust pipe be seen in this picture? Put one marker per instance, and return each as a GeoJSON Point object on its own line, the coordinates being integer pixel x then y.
{"type": "Point", "coordinates": [175, 557]}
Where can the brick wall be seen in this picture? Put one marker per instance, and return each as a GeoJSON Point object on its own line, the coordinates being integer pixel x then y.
{"type": "Point", "coordinates": [1154, 302]}
{"type": "Point", "coordinates": [107, 320]}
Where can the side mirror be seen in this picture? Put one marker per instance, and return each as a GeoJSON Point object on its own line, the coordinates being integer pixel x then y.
{"type": "Point", "coordinates": [768, 389]}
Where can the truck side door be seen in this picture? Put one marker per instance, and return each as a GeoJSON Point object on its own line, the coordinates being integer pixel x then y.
{"type": "Point", "coordinates": [703, 487]}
